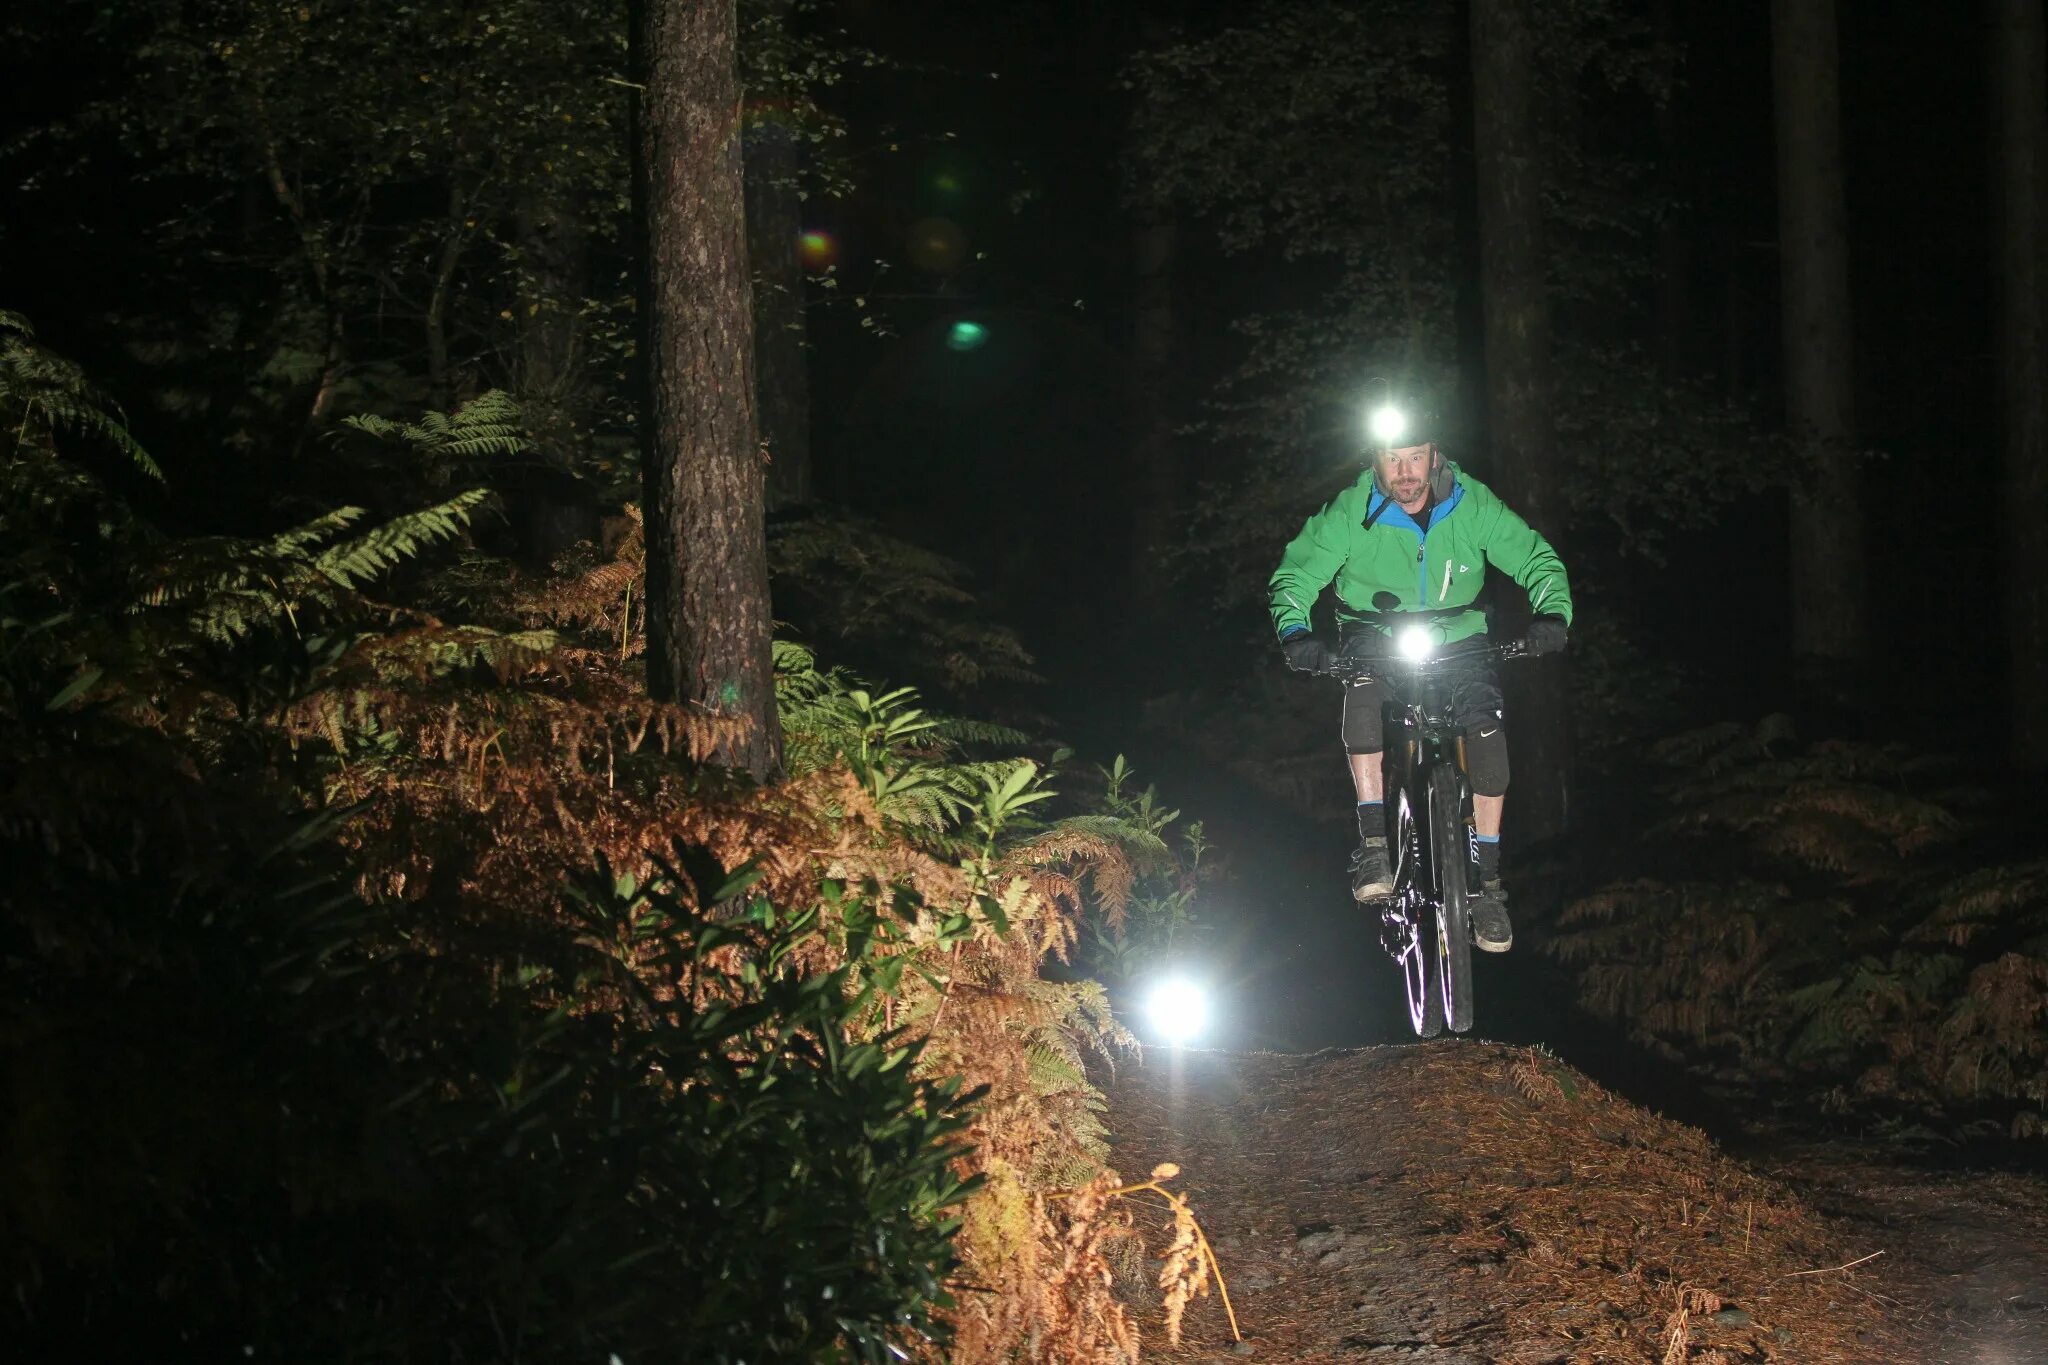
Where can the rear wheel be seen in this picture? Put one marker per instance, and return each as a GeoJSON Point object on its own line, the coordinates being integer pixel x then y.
{"type": "Point", "coordinates": [1419, 971]}
{"type": "Point", "coordinates": [1447, 860]}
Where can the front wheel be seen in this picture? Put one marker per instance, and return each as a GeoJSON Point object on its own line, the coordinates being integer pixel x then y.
{"type": "Point", "coordinates": [1447, 861]}
{"type": "Point", "coordinates": [1419, 972]}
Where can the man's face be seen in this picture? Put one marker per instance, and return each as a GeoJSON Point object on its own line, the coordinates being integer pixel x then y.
{"type": "Point", "coordinates": [1404, 471]}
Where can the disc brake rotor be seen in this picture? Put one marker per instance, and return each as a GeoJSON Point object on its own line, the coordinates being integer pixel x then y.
{"type": "Point", "coordinates": [1397, 930]}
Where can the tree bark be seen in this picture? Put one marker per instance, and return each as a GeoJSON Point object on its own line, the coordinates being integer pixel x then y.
{"type": "Point", "coordinates": [1828, 609]}
{"type": "Point", "coordinates": [2019, 86]}
{"type": "Point", "coordinates": [1517, 329]}
{"type": "Point", "coordinates": [708, 620]}
{"type": "Point", "coordinates": [1158, 494]}
{"type": "Point", "coordinates": [781, 371]}
{"type": "Point", "coordinates": [1674, 247]}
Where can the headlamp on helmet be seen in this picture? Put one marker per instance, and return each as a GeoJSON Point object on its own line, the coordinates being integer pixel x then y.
{"type": "Point", "coordinates": [1387, 424]}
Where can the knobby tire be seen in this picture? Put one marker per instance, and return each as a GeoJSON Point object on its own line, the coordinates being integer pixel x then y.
{"type": "Point", "coordinates": [1452, 926]}
{"type": "Point", "coordinates": [1419, 970]}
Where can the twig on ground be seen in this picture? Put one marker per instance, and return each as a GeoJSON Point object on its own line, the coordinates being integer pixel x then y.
{"type": "Point", "coordinates": [1833, 1268]}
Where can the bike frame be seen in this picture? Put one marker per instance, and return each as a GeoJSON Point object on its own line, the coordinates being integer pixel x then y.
{"type": "Point", "coordinates": [1422, 925]}
{"type": "Point", "coordinates": [1428, 737]}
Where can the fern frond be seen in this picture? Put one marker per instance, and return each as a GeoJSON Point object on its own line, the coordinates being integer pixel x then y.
{"type": "Point", "coordinates": [40, 386]}
{"type": "Point", "coordinates": [488, 424]}
{"type": "Point", "coordinates": [369, 555]}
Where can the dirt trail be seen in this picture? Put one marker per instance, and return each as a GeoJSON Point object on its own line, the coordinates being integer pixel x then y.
{"type": "Point", "coordinates": [1473, 1202]}
{"type": "Point", "coordinates": [1973, 1246]}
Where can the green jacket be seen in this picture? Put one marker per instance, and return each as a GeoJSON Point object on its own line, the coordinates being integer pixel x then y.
{"type": "Point", "coordinates": [1442, 567]}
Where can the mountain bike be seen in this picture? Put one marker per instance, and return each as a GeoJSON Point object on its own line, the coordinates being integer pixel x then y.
{"type": "Point", "coordinates": [1425, 925]}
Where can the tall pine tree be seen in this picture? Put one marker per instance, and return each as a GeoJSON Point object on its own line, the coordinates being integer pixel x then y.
{"type": "Point", "coordinates": [708, 619]}
{"type": "Point", "coordinates": [1829, 616]}
{"type": "Point", "coordinates": [1518, 400]}
{"type": "Point", "coordinates": [2019, 106]}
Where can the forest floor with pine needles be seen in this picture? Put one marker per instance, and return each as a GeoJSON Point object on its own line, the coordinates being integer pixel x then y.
{"type": "Point", "coordinates": [1474, 1202]}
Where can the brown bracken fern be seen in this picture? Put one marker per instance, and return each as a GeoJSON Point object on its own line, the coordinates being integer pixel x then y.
{"type": "Point", "coordinates": [1853, 938]}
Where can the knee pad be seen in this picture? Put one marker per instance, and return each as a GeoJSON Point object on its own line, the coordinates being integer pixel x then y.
{"type": "Point", "coordinates": [1486, 757]}
{"type": "Point", "coordinates": [1362, 721]}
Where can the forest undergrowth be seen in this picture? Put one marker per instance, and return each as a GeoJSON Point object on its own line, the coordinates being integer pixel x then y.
{"type": "Point", "coordinates": [1832, 926]}
{"type": "Point", "coordinates": [388, 977]}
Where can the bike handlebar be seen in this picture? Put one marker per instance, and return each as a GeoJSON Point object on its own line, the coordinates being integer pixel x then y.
{"type": "Point", "coordinates": [1375, 667]}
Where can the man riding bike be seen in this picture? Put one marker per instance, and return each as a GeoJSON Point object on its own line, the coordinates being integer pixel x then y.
{"type": "Point", "coordinates": [1419, 528]}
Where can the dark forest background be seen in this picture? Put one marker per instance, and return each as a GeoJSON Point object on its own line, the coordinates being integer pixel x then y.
{"type": "Point", "coordinates": [1062, 315]}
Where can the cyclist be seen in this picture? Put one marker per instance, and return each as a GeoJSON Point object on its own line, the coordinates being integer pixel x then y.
{"type": "Point", "coordinates": [1418, 527]}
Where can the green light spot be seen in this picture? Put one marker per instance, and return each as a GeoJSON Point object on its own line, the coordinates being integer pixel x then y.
{"type": "Point", "coordinates": [729, 694]}
{"type": "Point", "coordinates": [947, 183]}
{"type": "Point", "coordinates": [966, 336]}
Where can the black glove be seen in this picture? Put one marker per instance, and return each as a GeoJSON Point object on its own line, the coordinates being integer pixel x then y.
{"type": "Point", "coordinates": [1546, 635]}
{"type": "Point", "coordinates": [1305, 653]}
{"type": "Point", "coordinates": [1365, 646]}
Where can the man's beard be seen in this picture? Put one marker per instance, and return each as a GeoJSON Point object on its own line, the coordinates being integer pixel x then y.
{"type": "Point", "coordinates": [1408, 492]}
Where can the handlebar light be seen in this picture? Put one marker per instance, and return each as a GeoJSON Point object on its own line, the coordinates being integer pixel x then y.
{"type": "Point", "coordinates": [1387, 425]}
{"type": "Point", "coordinates": [1415, 643]}
{"type": "Point", "coordinates": [1178, 1010]}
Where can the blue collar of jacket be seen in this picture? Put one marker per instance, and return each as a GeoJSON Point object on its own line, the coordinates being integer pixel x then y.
{"type": "Point", "coordinates": [1380, 510]}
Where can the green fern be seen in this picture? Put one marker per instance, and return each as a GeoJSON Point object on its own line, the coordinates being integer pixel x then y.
{"type": "Point", "coordinates": [487, 425]}
{"type": "Point", "coordinates": [908, 759]}
{"type": "Point", "coordinates": [230, 587]}
{"type": "Point", "coordinates": [41, 392]}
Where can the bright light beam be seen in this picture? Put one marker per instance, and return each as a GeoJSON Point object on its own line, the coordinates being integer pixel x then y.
{"type": "Point", "coordinates": [1387, 425]}
{"type": "Point", "coordinates": [1415, 642]}
{"type": "Point", "coordinates": [1178, 1011]}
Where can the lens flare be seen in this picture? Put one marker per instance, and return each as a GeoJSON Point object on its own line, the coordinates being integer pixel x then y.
{"type": "Point", "coordinates": [1387, 424]}
{"type": "Point", "coordinates": [1415, 642]}
{"type": "Point", "coordinates": [937, 245]}
{"type": "Point", "coordinates": [816, 248]}
{"type": "Point", "coordinates": [1178, 1010]}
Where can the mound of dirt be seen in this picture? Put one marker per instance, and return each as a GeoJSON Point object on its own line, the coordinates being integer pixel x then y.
{"type": "Point", "coordinates": [1468, 1202]}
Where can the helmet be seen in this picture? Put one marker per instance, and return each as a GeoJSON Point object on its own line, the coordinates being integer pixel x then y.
{"type": "Point", "coordinates": [1390, 423]}
{"type": "Point", "coordinates": [1393, 421]}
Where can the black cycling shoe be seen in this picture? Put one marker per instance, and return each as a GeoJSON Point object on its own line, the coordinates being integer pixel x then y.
{"type": "Point", "coordinates": [1491, 932]}
{"type": "Point", "coordinates": [1371, 877]}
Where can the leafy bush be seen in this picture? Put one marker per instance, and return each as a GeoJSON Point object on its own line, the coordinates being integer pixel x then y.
{"type": "Point", "coordinates": [253, 1113]}
{"type": "Point", "coordinates": [323, 1023]}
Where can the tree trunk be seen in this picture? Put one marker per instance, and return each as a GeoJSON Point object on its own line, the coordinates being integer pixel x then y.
{"type": "Point", "coordinates": [440, 379]}
{"type": "Point", "coordinates": [781, 371]}
{"type": "Point", "coordinates": [1827, 589]}
{"type": "Point", "coordinates": [708, 620]}
{"type": "Point", "coordinates": [1674, 247]}
{"type": "Point", "coordinates": [1157, 496]}
{"type": "Point", "coordinates": [2019, 85]}
{"type": "Point", "coordinates": [1517, 327]}
{"type": "Point", "coordinates": [554, 280]}
{"type": "Point", "coordinates": [1734, 322]}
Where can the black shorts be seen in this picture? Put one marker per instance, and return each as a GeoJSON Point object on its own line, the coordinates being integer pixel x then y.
{"type": "Point", "coordinates": [1475, 701]}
